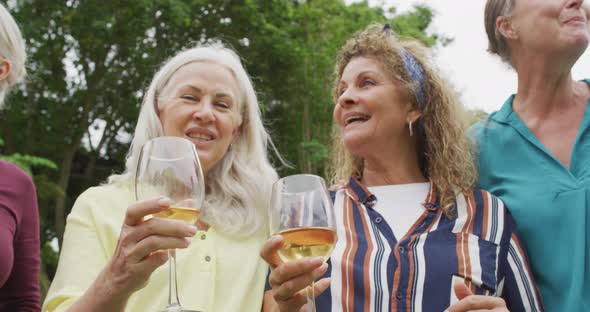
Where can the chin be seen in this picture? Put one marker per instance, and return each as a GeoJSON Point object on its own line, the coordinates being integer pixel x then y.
{"type": "Point", "coordinates": [354, 144]}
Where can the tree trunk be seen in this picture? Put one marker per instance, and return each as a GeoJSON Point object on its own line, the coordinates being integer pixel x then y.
{"type": "Point", "coordinates": [30, 112]}
{"type": "Point", "coordinates": [65, 169]}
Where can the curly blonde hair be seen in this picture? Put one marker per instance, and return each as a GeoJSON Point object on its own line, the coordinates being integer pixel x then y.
{"type": "Point", "coordinates": [443, 149]}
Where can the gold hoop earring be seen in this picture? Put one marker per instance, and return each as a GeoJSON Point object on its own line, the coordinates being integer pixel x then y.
{"type": "Point", "coordinates": [410, 127]}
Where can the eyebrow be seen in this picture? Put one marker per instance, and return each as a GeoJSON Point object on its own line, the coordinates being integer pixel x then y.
{"type": "Point", "coordinates": [362, 74]}
{"type": "Point", "coordinates": [368, 72]}
{"type": "Point", "coordinates": [222, 95]}
{"type": "Point", "coordinates": [193, 88]}
{"type": "Point", "coordinates": [198, 90]}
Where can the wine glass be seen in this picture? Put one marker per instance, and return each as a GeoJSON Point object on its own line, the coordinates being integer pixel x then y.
{"type": "Point", "coordinates": [169, 166]}
{"type": "Point", "coordinates": [303, 214]}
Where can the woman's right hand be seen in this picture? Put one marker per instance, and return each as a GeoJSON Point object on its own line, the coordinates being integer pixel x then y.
{"type": "Point", "coordinates": [143, 245]}
{"type": "Point", "coordinates": [141, 249]}
{"type": "Point", "coordinates": [290, 280]}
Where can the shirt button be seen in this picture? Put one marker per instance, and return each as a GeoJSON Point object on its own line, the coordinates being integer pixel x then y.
{"type": "Point", "coordinates": [378, 220]}
{"type": "Point", "coordinates": [207, 258]}
{"type": "Point", "coordinates": [203, 236]}
{"type": "Point", "coordinates": [400, 296]}
{"type": "Point", "coordinates": [401, 249]}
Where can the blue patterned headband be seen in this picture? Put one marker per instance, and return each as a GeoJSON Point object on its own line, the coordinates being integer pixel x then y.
{"type": "Point", "coordinates": [415, 70]}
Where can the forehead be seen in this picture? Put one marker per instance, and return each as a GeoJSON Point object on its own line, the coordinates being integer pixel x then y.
{"type": "Point", "coordinates": [359, 65]}
{"type": "Point", "coordinates": [206, 75]}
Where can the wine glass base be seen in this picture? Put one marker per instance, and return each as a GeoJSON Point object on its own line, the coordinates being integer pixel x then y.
{"type": "Point", "coordinates": [177, 308]}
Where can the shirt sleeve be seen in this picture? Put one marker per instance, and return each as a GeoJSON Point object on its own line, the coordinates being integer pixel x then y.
{"type": "Point", "coordinates": [19, 221]}
{"type": "Point", "coordinates": [518, 287]}
{"type": "Point", "coordinates": [81, 259]}
{"type": "Point", "coordinates": [7, 230]}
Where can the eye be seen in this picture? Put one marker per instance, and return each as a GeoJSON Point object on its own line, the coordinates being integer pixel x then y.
{"type": "Point", "coordinates": [189, 97]}
{"type": "Point", "coordinates": [341, 91]}
{"type": "Point", "coordinates": [222, 105]}
{"type": "Point", "coordinates": [367, 82]}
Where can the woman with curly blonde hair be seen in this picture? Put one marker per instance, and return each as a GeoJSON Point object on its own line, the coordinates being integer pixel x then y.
{"type": "Point", "coordinates": [412, 233]}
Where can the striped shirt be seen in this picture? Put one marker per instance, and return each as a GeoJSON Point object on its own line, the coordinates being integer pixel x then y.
{"type": "Point", "coordinates": [372, 270]}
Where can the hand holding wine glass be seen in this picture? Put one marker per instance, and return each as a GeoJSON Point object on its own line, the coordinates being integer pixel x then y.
{"type": "Point", "coordinates": [169, 166]}
{"type": "Point", "coordinates": [142, 246]}
{"type": "Point", "coordinates": [302, 215]}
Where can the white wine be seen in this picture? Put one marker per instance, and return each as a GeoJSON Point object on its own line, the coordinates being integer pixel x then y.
{"type": "Point", "coordinates": [307, 242]}
{"type": "Point", "coordinates": [190, 215]}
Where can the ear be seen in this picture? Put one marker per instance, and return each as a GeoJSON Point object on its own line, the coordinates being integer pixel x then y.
{"type": "Point", "coordinates": [236, 134]}
{"type": "Point", "coordinates": [506, 28]}
{"type": "Point", "coordinates": [413, 116]}
{"type": "Point", "coordinates": [4, 69]}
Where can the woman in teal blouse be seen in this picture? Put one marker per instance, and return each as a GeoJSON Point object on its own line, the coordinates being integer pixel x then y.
{"type": "Point", "coordinates": [534, 153]}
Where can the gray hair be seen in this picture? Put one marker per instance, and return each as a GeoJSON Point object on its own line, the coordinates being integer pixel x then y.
{"type": "Point", "coordinates": [496, 42]}
{"type": "Point", "coordinates": [238, 187]}
{"type": "Point", "coordinates": [12, 47]}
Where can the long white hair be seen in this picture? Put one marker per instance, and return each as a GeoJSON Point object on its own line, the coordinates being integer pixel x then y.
{"type": "Point", "coordinates": [238, 186]}
{"type": "Point", "coordinates": [12, 47]}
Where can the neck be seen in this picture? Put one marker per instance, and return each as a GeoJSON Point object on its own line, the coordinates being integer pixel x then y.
{"type": "Point", "coordinates": [545, 86]}
{"type": "Point", "coordinates": [397, 167]}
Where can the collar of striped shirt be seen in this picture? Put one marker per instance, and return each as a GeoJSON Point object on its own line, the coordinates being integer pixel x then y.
{"type": "Point", "coordinates": [361, 194]}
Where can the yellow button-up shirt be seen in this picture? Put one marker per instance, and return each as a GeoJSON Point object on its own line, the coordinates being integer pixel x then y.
{"type": "Point", "coordinates": [216, 272]}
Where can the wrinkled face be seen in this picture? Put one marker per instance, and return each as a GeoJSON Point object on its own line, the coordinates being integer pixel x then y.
{"type": "Point", "coordinates": [200, 103]}
{"type": "Point", "coordinates": [371, 109]}
{"type": "Point", "coordinates": [552, 25]}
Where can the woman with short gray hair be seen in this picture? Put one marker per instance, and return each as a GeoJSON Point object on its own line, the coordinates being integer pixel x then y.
{"type": "Point", "coordinates": [534, 152]}
{"type": "Point", "coordinates": [19, 215]}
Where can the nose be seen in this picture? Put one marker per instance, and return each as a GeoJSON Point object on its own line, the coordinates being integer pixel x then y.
{"type": "Point", "coordinates": [347, 98]}
{"type": "Point", "coordinates": [204, 111]}
{"type": "Point", "coordinates": [574, 4]}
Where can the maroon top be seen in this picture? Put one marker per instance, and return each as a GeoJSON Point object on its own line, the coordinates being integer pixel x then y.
{"type": "Point", "coordinates": [19, 241]}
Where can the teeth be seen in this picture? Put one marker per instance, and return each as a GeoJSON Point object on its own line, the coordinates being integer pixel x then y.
{"type": "Point", "coordinates": [200, 136]}
{"type": "Point", "coordinates": [352, 119]}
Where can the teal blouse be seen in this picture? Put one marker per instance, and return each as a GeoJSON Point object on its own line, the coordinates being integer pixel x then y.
{"type": "Point", "coordinates": [550, 203]}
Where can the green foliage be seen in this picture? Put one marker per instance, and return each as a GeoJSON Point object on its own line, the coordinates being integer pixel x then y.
{"type": "Point", "coordinates": [316, 151]}
{"type": "Point", "coordinates": [27, 162]}
{"type": "Point", "coordinates": [49, 256]}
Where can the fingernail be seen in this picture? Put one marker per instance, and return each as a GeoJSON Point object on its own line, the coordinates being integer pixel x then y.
{"type": "Point", "coordinates": [192, 230]}
{"type": "Point", "coordinates": [321, 270]}
{"type": "Point", "coordinates": [164, 201]}
{"type": "Point", "coordinates": [316, 260]}
{"type": "Point", "coordinates": [187, 240]}
{"type": "Point", "coordinates": [275, 239]}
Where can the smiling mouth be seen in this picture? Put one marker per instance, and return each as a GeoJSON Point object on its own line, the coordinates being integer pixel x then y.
{"type": "Point", "coordinates": [200, 136]}
{"type": "Point", "coordinates": [576, 20]}
{"type": "Point", "coordinates": [356, 119]}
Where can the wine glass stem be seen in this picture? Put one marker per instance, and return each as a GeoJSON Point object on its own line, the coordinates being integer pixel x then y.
{"type": "Point", "coordinates": [311, 297]}
{"type": "Point", "coordinates": [172, 284]}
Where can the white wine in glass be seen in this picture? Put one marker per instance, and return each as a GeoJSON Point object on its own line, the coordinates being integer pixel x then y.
{"type": "Point", "coordinates": [303, 214]}
{"type": "Point", "coordinates": [169, 166]}
{"type": "Point", "coordinates": [307, 242]}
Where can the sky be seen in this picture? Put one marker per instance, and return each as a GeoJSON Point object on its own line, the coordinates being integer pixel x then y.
{"type": "Point", "coordinates": [483, 81]}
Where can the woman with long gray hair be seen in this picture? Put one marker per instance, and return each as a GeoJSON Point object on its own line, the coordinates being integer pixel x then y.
{"type": "Point", "coordinates": [19, 216]}
{"type": "Point", "coordinates": [109, 253]}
